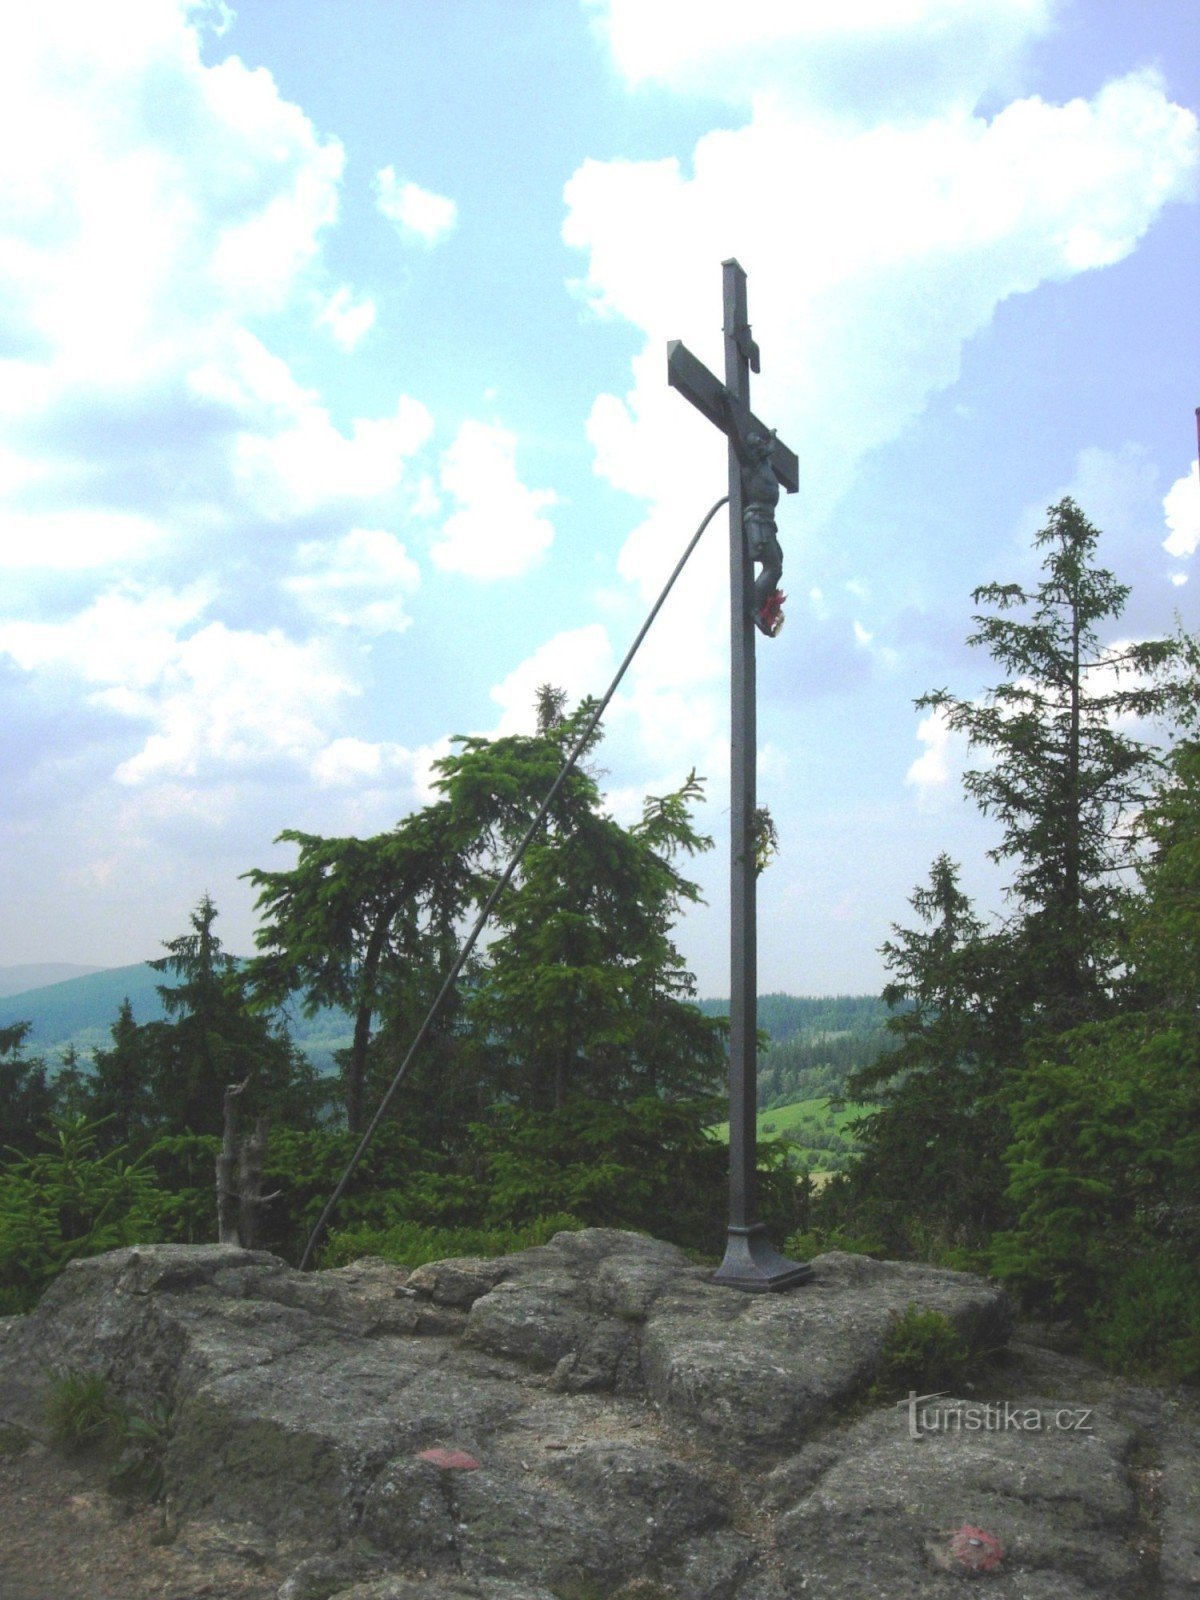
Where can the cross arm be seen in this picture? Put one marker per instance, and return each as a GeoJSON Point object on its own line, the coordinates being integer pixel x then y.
{"type": "Point", "coordinates": [714, 401]}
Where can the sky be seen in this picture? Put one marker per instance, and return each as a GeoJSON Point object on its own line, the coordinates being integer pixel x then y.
{"type": "Point", "coordinates": [334, 417]}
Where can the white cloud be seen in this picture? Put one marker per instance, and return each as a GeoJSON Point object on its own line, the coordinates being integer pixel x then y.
{"type": "Point", "coordinates": [358, 581]}
{"type": "Point", "coordinates": [349, 317]}
{"type": "Point", "coordinates": [153, 210]}
{"type": "Point", "coordinates": [1181, 507]}
{"type": "Point", "coordinates": [355, 761]}
{"type": "Point", "coordinates": [125, 229]}
{"type": "Point", "coordinates": [891, 244]}
{"type": "Point", "coordinates": [418, 214]}
{"type": "Point", "coordinates": [896, 245]}
{"type": "Point", "coordinates": [291, 459]}
{"type": "Point", "coordinates": [162, 227]}
{"type": "Point", "coordinates": [941, 759]}
{"type": "Point", "coordinates": [213, 696]}
{"type": "Point", "coordinates": [498, 529]}
{"type": "Point", "coordinates": [236, 698]}
{"type": "Point", "coordinates": [66, 540]}
{"type": "Point", "coordinates": [580, 662]}
{"type": "Point", "coordinates": [923, 49]}
{"type": "Point", "coordinates": [125, 638]}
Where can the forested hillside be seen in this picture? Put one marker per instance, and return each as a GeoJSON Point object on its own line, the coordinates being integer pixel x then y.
{"type": "Point", "coordinates": [79, 1011]}
{"type": "Point", "coordinates": [814, 1044]}
{"type": "Point", "coordinates": [38, 974]}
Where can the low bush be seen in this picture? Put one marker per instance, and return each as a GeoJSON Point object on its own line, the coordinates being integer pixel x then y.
{"type": "Point", "coordinates": [922, 1351]}
{"type": "Point", "coordinates": [1148, 1324]}
{"type": "Point", "coordinates": [68, 1201]}
{"type": "Point", "coordinates": [412, 1244]}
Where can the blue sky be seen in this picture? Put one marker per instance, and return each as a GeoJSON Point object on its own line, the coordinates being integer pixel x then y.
{"type": "Point", "coordinates": [333, 414]}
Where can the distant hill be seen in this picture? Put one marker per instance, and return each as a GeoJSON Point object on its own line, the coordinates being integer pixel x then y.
{"type": "Point", "coordinates": [818, 1133]}
{"type": "Point", "coordinates": [815, 1040]}
{"type": "Point", "coordinates": [37, 974]}
{"type": "Point", "coordinates": [80, 1011]}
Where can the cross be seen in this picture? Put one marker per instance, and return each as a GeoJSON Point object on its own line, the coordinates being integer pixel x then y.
{"type": "Point", "coordinates": [750, 1262]}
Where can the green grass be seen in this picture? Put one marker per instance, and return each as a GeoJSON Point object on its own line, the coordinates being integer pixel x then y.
{"type": "Point", "coordinates": [801, 1118]}
{"type": "Point", "coordinates": [80, 1410]}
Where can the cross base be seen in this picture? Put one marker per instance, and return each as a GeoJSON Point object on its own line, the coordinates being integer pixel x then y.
{"type": "Point", "coordinates": [753, 1265]}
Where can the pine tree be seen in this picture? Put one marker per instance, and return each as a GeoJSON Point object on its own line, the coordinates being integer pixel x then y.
{"type": "Point", "coordinates": [583, 991]}
{"type": "Point", "coordinates": [1105, 1154]}
{"type": "Point", "coordinates": [937, 1143]}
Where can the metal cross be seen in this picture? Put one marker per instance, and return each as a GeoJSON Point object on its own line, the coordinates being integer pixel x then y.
{"type": "Point", "coordinates": [751, 1262]}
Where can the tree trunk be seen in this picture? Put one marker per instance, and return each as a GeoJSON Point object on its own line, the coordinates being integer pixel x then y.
{"type": "Point", "coordinates": [356, 1067]}
{"type": "Point", "coordinates": [250, 1195]}
{"type": "Point", "coordinates": [227, 1163]}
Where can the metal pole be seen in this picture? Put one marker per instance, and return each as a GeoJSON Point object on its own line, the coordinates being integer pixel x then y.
{"type": "Point", "coordinates": [743, 953]}
{"type": "Point", "coordinates": [751, 1262]}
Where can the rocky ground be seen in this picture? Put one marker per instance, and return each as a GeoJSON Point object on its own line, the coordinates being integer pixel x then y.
{"type": "Point", "coordinates": [591, 1420]}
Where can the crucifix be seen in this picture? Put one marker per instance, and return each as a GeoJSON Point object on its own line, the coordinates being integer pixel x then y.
{"type": "Point", "coordinates": [758, 464]}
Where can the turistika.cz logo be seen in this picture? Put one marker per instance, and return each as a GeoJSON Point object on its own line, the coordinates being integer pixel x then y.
{"type": "Point", "coordinates": [992, 1416]}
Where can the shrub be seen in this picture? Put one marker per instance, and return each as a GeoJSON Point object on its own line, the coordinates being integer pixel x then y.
{"type": "Point", "coordinates": [809, 1242]}
{"type": "Point", "coordinates": [140, 1469]}
{"type": "Point", "coordinates": [650, 1165]}
{"type": "Point", "coordinates": [412, 1244]}
{"type": "Point", "coordinates": [922, 1350]}
{"type": "Point", "coordinates": [82, 1413]}
{"type": "Point", "coordinates": [1149, 1324]}
{"type": "Point", "coordinates": [67, 1201]}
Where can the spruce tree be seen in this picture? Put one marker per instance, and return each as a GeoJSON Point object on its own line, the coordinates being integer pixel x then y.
{"type": "Point", "coordinates": [26, 1096]}
{"type": "Point", "coordinates": [1064, 777]}
{"type": "Point", "coordinates": [121, 1091]}
{"type": "Point", "coordinates": [580, 991]}
{"type": "Point", "coordinates": [212, 1039]}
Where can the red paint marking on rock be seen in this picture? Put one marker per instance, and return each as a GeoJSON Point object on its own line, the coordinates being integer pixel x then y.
{"type": "Point", "coordinates": [454, 1460]}
{"type": "Point", "coordinates": [976, 1550]}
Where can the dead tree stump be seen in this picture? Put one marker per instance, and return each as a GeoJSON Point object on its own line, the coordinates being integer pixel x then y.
{"type": "Point", "coordinates": [239, 1176]}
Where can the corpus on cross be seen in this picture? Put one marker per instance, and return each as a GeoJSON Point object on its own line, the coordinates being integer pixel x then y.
{"type": "Point", "coordinates": [758, 463]}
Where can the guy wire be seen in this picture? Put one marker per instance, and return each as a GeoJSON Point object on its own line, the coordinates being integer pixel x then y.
{"type": "Point", "coordinates": [501, 885]}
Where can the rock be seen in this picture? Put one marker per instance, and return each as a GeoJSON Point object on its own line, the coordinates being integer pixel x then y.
{"type": "Point", "coordinates": [1053, 1501]}
{"type": "Point", "coordinates": [320, 1577]}
{"type": "Point", "coordinates": [760, 1372]}
{"type": "Point", "coordinates": [589, 1417]}
{"type": "Point", "coordinates": [1180, 1532]}
{"type": "Point", "coordinates": [458, 1282]}
{"type": "Point", "coordinates": [458, 1588]}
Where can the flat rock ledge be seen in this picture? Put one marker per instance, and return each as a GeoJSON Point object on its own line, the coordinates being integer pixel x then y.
{"type": "Point", "coordinates": [595, 1420]}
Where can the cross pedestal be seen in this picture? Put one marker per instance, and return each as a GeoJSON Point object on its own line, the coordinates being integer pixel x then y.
{"type": "Point", "coordinates": [751, 1262]}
